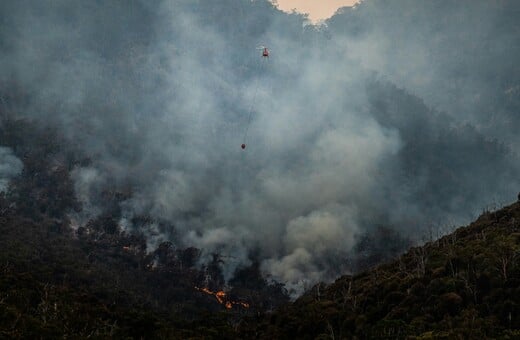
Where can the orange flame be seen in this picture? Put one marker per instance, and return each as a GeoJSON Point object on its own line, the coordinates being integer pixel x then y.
{"type": "Point", "coordinates": [222, 299]}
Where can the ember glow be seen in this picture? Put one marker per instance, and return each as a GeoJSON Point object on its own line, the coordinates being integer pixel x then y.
{"type": "Point", "coordinates": [221, 297]}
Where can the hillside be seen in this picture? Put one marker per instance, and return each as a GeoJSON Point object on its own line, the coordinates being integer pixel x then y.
{"type": "Point", "coordinates": [99, 282]}
{"type": "Point", "coordinates": [59, 280]}
{"type": "Point", "coordinates": [465, 285]}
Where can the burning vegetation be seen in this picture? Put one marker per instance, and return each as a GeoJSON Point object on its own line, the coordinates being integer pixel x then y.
{"type": "Point", "coordinates": [223, 298]}
{"type": "Point", "coordinates": [53, 266]}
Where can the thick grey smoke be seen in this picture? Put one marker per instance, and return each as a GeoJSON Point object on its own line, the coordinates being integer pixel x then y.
{"type": "Point", "coordinates": [10, 166]}
{"type": "Point", "coordinates": [158, 96]}
{"type": "Point", "coordinates": [459, 56]}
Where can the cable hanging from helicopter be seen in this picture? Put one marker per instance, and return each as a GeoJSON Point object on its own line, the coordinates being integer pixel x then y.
{"type": "Point", "coordinates": [265, 57]}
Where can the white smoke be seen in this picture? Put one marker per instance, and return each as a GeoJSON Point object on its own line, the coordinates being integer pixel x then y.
{"type": "Point", "coordinates": [10, 166]}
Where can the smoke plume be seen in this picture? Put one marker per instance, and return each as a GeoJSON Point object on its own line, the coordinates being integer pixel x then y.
{"type": "Point", "coordinates": [370, 120]}
{"type": "Point", "coordinates": [10, 166]}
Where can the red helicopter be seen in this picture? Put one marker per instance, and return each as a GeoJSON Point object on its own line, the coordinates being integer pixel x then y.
{"type": "Point", "coordinates": [265, 51]}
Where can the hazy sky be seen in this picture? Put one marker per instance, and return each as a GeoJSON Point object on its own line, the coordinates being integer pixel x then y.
{"type": "Point", "coordinates": [317, 9]}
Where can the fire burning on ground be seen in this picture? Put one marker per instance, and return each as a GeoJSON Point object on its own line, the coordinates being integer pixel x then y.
{"type": "Point", "coordinates": [222, 298]}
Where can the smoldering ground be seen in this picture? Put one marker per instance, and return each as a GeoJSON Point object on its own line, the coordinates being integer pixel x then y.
{"type": "Point", "coordinates": [158, 96]}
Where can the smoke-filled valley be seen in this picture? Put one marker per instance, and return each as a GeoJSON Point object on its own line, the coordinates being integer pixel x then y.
{"type": "Point", "coordinates": [392, 121]}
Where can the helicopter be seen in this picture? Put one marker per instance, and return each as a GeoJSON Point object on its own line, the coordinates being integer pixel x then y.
{"type": "Point", "coordinates": [265, 52]}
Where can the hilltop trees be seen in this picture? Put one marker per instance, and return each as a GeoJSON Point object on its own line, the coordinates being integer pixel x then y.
{"type": "Point", "coordinates": [464, 284]}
